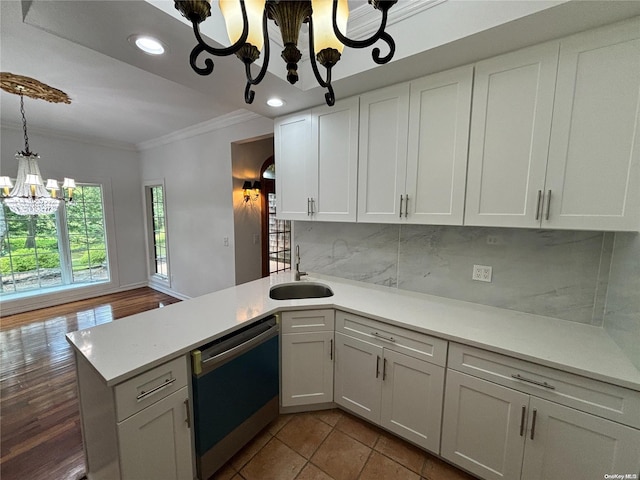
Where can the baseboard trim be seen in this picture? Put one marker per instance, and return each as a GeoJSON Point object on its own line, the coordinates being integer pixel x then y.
{"type": "Point", "coordinates": [36, 302]}
{"type": "Point", "coordinates": [167, 290]}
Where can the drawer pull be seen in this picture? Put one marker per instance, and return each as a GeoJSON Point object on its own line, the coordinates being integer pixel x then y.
{"type": "Point", "coordinates": [155, 389]}
{"type": "Point", "coordinates": [524, 414]}
{"type": "Point", "coordinates": [535, 382]}
{"type": "Point", "coordinates": [382, 337]}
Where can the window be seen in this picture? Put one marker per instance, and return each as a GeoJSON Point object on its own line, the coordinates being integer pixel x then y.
{"type": "Point", "coordinates": [68, 247]}
{"type": "Point", "coordinates": [157, 236]}
{"type": "Point", "coordinates": [279, 239]}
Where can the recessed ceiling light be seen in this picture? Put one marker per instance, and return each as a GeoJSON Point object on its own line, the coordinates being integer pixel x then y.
{"type": "Point", "coordinates": [275, 102]}
{"type": "Point", "coordinates": [147, 44]}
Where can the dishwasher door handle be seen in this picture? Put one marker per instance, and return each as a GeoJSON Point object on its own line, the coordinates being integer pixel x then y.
{"type": "Point", "coordinates": [210, 363]}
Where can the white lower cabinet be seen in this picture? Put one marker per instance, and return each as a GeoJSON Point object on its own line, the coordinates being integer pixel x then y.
{"type": "Point", "coordinates": [139, 428]}
{"type": "Point", "coordinates": [156, 442]}
{"type": "Point", "coordinates": [497, 432]}
{"type": "Point", "coordinates": [482, 426]}
{"type": "Point", "coordinates": [307, 357]}
{"type": "Point", "coordinates": [397, 391]}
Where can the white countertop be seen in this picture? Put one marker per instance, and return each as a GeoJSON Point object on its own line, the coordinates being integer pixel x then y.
{"type": "Point", "coordinates": [121, 349]}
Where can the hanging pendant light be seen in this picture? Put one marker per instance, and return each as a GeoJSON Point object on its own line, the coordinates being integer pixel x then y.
{"type": "Point", "coordinates": [246, 22]}
{"type": "Point", "coordinates": [29, 195]}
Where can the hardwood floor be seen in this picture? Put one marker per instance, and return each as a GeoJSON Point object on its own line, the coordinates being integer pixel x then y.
{"type": "Point", "coordinates": [39, 420]}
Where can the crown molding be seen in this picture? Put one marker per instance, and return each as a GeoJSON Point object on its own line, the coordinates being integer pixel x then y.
{"type": "Point", "coordinates": [223, 121]}
{"type": "Point", "coordinates": [56, 134]}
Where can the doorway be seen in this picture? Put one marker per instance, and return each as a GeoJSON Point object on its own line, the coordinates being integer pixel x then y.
{"type": "Point", "coordinates": [276, 234]}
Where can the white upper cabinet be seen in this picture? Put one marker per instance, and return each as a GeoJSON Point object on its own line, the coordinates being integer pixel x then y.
{"type": "Point", "coordinates": [593, 175]}
{"type": "Point", "coordinates": [555, 139]}
{"type": "Point", "coordinates": [316, 155]}
{"type": "Point", "coordinates": [509, 139]}
{"type": "Point", "coordinates": [413, 150]}
{"type": "Point", "coordinates": [334, 139]}
{"type": "Point", "coordinates": [439, 111]}
{"type": "Point", "coordinates": [293, 166]}
{"type": "Point", "coordinates": [384, 118]}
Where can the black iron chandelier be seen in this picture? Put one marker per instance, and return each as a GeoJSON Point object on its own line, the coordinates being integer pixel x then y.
{"type": "Point", "coordinates": [246, 22]}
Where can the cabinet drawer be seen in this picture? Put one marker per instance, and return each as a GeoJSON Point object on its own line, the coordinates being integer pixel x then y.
{"type": "Point", "coordinates": [149, 387]}
{"type": "Point", "coordinates": [308, 321]}
{"type": "Point", "coordinates": [414, 344]}
{"type": "Point", "coordinates": [599, 398]}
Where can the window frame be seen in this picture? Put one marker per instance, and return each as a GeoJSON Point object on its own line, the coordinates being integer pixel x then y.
{"type": "Point", "coordinates": [38, 298]}
{"type": "Point", "coordinates": [155, 279]}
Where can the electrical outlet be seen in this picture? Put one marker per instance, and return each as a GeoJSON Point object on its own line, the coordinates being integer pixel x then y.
{"type": "Point", "coordinates": [256, 238]}
{"type": "Point", "coordinates": [225, 241]}
{"type": "Point", "coordinates": [482, 273]}
{"type": "Point", "coordinates": [494, 240]}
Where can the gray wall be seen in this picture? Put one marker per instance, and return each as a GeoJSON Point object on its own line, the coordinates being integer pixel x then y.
{"type": "Point", "coordinates": [562, 274]}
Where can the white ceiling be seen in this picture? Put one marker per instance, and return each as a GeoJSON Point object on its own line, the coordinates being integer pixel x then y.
{"type": "Point", "coordinates": [122, 96]}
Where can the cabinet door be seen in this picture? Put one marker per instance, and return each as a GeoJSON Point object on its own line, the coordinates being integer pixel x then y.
{"type": "Point", "coordinates": [509, 139]}
{"type": "Point", "coordinates": [156, 442]}
{"type": "Point", "coordinates": [593, 175]}
{"type": "Point", "coordinates": [382, 157]}
{"type": "Point", "coordinates": [439, 115]}
{"type": "Point", "coordinates": [570, 444]}
{"type": "Point", "coordinates": [335, 159]}
{"type": "Point", "coordinates": [292, 148]}
{"type": "Point", "coordinates": [412, 399]}
{"type": "Point", "coordinates": [358, 376]}
{"type": "Point", "coordinates": [307, 368]}
{"type": "Point", "coordinates": [483, 427]}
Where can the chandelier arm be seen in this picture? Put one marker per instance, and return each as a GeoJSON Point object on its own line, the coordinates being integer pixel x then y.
{"type": "Point", "coordinates": [379, 35]}
{"type": "Point", "coordinates": [249, 94]}
{"type": "Point", "coordinates": [329, 96]}
{"type": "Point", "coordinates": [219, 52]}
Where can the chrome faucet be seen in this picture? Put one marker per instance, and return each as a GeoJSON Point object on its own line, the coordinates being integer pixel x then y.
{"type": "Point", "coordinates": [298, 272]}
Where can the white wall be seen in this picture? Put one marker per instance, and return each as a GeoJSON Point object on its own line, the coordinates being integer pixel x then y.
{"type": "Point", "coordinates": [247, 160]}
{"type": "Point", "coordinates": [118, 169]}
{"type": "Point", "coordinates": [198, 177]}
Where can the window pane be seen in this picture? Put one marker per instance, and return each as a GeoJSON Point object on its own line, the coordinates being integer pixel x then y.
{"type": "Point", "coordinates": [157, 234]}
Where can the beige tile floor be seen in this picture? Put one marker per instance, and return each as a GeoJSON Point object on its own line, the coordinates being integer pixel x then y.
{"type": "Point", "coordinates": [332, 445]}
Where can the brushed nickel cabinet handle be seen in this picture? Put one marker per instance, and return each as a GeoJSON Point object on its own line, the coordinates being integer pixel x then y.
{"type": "Point", "coordinates": [401, 198]}
{"type": "Point", "coordinates": [524, 413]}
{"type": "Point", "coordinates": [331, 349]}
{"type": "Point", "coordinates": [538, 205]}
{"type": "Point", "coordinates": [535, 382]}
{"type": "Point", "coordinates": [312, 209]}
{"type": "Point", "coordinates": [406, 205]}
{"type": "Point", "coordinates": [377, 366]}
{"type": "Point", "coordinates": [546, 216]}
{"type": "Point", "coordinates": [166, 383]}
{"type": "Point", "coordinates": [533, 423]}
{"type": "Point", "coordinates": [382, 337]}
{"type": "Point", "coordinates": [188, 419]}
{"type": "Point", "coordinates": [308, 206]}
{"type": "Point", "coordinates": [384, 369]}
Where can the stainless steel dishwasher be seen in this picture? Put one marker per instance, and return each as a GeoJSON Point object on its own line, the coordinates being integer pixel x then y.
{"type": "Point", "coordinates": [235, 392]}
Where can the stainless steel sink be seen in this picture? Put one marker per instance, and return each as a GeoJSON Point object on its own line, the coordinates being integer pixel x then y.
{"type": "Point", "coordinates": [297, 290]}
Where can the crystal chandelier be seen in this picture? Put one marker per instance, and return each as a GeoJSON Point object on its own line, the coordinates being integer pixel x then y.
{"type": "Point", "coordinates": [30, 196]}
{"type": "Point", "coordinates": [246, 22]}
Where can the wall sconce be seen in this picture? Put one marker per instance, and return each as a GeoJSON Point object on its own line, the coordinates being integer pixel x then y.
{"type": "Point", "coordinates": [251, 192]}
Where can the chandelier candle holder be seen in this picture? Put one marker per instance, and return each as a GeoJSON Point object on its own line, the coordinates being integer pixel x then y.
{"type": "Point", "coordinates": [246, 22]}
{"type": "Point", "coordinates": [29, 196]}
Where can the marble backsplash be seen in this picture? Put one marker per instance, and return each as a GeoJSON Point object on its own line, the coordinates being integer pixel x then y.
{"type": "Point", "coordinates": [622, 313]}
{"type": "Point", "coordinates": [562, 274]}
